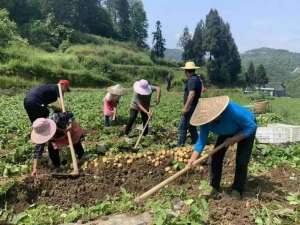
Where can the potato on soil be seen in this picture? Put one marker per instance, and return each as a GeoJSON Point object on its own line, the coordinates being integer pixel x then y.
{"type": "Point", "coordinates": [167, 169]}
{"type": "Point", "coordinates": [129, 161]}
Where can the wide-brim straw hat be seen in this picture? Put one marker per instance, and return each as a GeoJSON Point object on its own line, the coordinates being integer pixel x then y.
{"type": "Point", "coordinates": [142, 87]}
{"type": "Point", "coordinates": [116, 90]}
{"type": "Point", "coordinates": [42, 130]}
{"type": "Point", "coordinates": [208, 109]}
{"type": "Point", "coordinates": [190, 66]}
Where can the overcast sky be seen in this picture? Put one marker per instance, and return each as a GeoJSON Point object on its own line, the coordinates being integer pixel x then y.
{"type": "Point", "coordinates": [254, 23]}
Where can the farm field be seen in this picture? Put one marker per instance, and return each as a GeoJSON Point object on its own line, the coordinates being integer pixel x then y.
{"type": "Point", "coordinates": [116, 173]}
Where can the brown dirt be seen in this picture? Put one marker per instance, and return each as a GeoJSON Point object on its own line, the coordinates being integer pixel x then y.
{"type": "Point", "coordinates": [142, 175]}
{"type": "Point", "coordinates": [262, 189]}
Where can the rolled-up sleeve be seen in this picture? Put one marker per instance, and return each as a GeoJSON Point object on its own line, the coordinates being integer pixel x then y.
{"type": "Point", "coordinates": [201, 142]}
{"type": "Point", "coordinates": [246, 121]}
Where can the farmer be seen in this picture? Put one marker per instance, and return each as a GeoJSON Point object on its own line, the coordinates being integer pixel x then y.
{"type": "Point", "coordinates": [110, 103]}
{"type": "Point", "coordinates": [168, 81]}
{"type": "Point", "coordinates": [141, 103]}
{"type": "Point", "coordinates": [53, 131]}
{"type": "Point", "coordinates": [233, 124]}
{"type": "Point", "coordinates": [38, 100]}
{"type": "Point", "coordinates": [192, 93]}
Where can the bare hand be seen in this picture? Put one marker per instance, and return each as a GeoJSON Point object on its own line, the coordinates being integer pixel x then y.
{"type": "Point", "coordinates": [34, 173]}
{"type": "Point", "coordinates": [184, 111]}
{"type": "Point", "coordinates": [157, 101]}
{"type": "Point", "coordinates": [149, 113]}
{"type": "Point", "coordinates": [190, 163]}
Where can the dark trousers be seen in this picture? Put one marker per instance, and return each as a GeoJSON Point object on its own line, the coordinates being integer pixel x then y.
{"type": "Point", "coordinates": [168, 85]}
{"type": "Point", "coordinates": [35, 111]}
{"type": "Point", "coordinates": [184, 126]}
{"type": "Point", "coordinates": [106, 121]}
{"type": "Point", "coordinates": [243, 154]}
{"type": "Point", "coordinates": [54, 153]}
{"type": "Point", "coordinates": [132, 118]}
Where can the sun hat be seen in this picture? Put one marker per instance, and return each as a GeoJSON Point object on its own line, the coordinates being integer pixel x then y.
{"type": "Point", "coordinates": [42, 130]}
{"type": "Point", "coordinates": [142, 87]}
{"type": "Point", "coordinates": [66, 83]}
{"type": "Point", "coordinates": [208, 109]}
{"type": "Point", "coordinates": [116, 90]}
{"type": "Point", "coordinates": [190, 66]}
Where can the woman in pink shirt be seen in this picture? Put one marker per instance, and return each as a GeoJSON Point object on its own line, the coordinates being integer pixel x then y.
{"type": "Point", "coordinates": [110, 103]}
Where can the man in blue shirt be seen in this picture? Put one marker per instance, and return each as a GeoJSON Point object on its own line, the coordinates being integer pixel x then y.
{"type": "Point", "coordinates": [233, 124]}
{"type": "Point", "coordinates": [192, 93]}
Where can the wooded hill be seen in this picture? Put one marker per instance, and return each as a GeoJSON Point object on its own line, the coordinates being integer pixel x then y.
{"type": "Point", "coordinates": [280, 64]}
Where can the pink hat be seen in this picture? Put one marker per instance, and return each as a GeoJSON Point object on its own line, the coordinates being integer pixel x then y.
{"type": "Point", "coordinates": [43, 130]}
{"type": "Point", "coordinates": [142, 87]}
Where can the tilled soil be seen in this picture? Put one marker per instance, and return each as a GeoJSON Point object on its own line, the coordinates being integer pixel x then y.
{"type": "Point", "coordinates": [107, 180]}
{"type": "Point", "coordinates": [271, 186]}
{"type": "Point", "coordinates": [104, 183]}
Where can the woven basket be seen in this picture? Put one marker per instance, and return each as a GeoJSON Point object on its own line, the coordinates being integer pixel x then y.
{"type": "Point", "coordinates": [261, 106]}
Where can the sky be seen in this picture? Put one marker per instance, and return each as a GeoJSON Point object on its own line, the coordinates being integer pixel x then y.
{"type": "Point", "coordinates": [254, 23]}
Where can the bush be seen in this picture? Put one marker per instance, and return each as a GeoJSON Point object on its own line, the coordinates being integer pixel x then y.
{"type": "Point", "coordinates": [46, 31]}
{"type": "Point", "coordinates": [114, 54]}
{"type": "Point", "coordinates": [8, 29]}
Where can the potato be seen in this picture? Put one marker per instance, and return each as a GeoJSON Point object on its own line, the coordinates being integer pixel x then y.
{"type": "Point", "coordinates": [104, 159]}
{"type": "Point", "coordinates": [167, 169]}
{"type": "Point", "coordinates": [129, 161]}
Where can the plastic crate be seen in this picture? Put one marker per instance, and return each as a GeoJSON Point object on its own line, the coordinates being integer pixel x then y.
{"type": "Point", "coordinates": [294, 130]}
{"type": "Point", "coordinates": [273, 135]}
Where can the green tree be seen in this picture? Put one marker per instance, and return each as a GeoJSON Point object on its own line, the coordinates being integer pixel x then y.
{"type": "Point", "coordinates": [158, 49]}
{"type": "Point", "coordinates": [123, 20]}
{"type": "Point", "coordinates": [251, 75]}
{"type": "Point", "coordinates": [22, 11]}
{"type": "Point", "coordinates": [185, 41]}
{"type": "Point", "coordinates": [8, 29]}
{"type": "Point", "coordinates": [86, 16]}
{"type": "Point", "coordinates": [221, 47]}
{"type": "Point", "coordinates": [139, 23]}
{"type": "Point", "coordinates": [47, 31]}
{"type": "Point", "coordinates": [233, 58]}
{"type": "Point", "coordinates": [198, 39]}
{"type": "Point", "coordinates": [261, 76]}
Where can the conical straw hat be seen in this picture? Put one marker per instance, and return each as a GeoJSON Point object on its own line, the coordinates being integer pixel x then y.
{"type": "Point", "coordinates": [209, 109]}
{"type": "Point", "coordinates": [190, 66]}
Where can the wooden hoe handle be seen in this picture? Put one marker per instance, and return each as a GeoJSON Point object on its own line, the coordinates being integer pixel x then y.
{"type": "Point", "coordinates": [176, 175]}
{"type": "Point", "coordinates": [74, 160]}
{"type": "Point", "coordinates": [141, 135]}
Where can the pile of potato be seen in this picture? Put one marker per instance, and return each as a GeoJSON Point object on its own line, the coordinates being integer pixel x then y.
{"type": "Point", "coordinates": [155, 158]}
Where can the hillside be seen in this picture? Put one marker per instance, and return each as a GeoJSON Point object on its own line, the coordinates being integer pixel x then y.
{"type": "Point", "coordinates": [173, 54]}
{"type": "Point", "coordinates": [279, 64]}
{"type": "Point", "coordinates": [100, 63]}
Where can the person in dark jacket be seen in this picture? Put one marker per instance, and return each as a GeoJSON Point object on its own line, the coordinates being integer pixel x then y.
{"type": "Point", "coordinates": [38, 99]}
{"type": "Point", "coordinates": [37, 102]}
{"type": "Point", "coordinates": [234, 124]}
{"type": "Point", "coordinates": [192, 93]}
